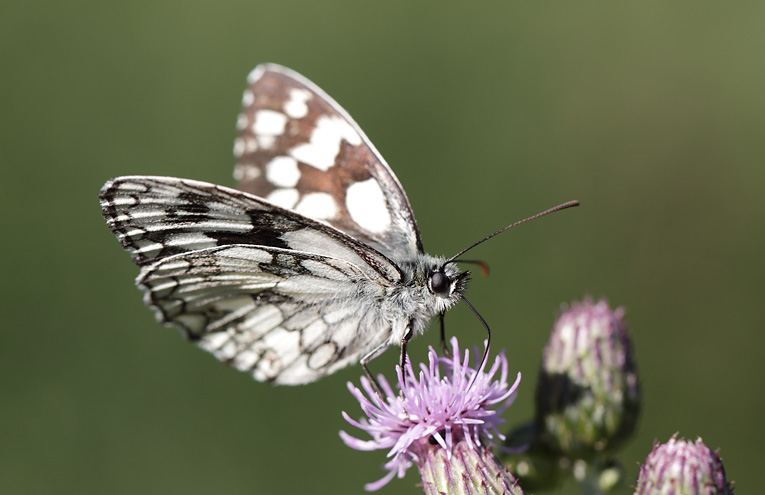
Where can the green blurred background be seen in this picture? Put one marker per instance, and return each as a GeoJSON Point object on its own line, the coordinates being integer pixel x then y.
{"type": "Point", "coordinates": [652, 114]}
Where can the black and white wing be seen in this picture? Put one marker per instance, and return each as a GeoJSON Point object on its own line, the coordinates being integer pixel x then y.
{"type": "Point", "coordinates": [300, 150]}
{"type": "Point", "coordinates": [267, 290]}
{"type": "Point", "coordinates": [286, 317]}
{"type": "Point", "coordinates": [156, 217]}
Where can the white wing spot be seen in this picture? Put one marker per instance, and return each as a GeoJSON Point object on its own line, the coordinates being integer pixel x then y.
{"type": "Point", "coordinates": [175, 265]}
{"type": "Point", "coordinates": [296, 106]}
{"type": "Point", "coordinates": [313, 332]}
{"type": "Point", "coordinates": [125, 201]}
{"type": "Point", "coordinates": [286, 344]}
{"type": "Point", "coordinates": [269, 366]}
{"type": "Point", "coordinates": [228, 351]}
{"type": "Point", "coordinates": [266, 142]}
{"type": "Point", "coordinates": [127, 186]}
{"type": "Point", "coordinates": [245, 360]}
{"type": "Point", "coordinates": [233, 304]}
{"type": "Point", "coordinates": [148, 248]}
{"type": "Point", "coordinates": [285, 198]}
{"type": "Point", "coordinates": [242, 122]}
{"type": "Point", "coordinates": [300, 319]}
{"type": "Point", "coordinates": [213, 341]}
{"type": "Point", "coordinates": [325, 141]}
{"type": "Point", "coordinates": [163, 289]}
{"type": "Point", "coordinates": [348, 330]}
{"type": "Point", "coordinates": [192, 321]}
{"type": "Point", "coordinates": [367, 206]}
{"type": "Point", "coordinates": [247, 98]}
{"type": "Point", "coordinates": [239, 147]}
{"type": "Point", "coordinates": [319, 205]}
{"type": "Point", "coordinates": [283, 171]}
{"type": "Point", "coordinates": [249, 172]}
{"type": "Point", "coordinates": [133, 233]}
{"type": "Point", "coordinates": [322, 356]}
{"type": "Point", "coordinates": [191, 240]}
{"type": "Point", "coordinates": [250, 144]}
{"type": "Point", "coordinates": [269, 123]}
{"type": "Point", "coordinates": [255, 74]}
{"type": "Point", "coordinates": [248, 253]}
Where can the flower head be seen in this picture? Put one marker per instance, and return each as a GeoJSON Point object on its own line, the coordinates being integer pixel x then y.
{"type": "Point", "coordinates": [588, 394]}
{"type": "Point", "coordinates": [447, 406]}
{"type": "Point", "coordinates": [682, 467]}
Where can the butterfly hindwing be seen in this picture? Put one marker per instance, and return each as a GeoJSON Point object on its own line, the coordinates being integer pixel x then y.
{"type": "Point", "coordinates": [283, 316]}
{"type": "Point", "coordinates": [299, 149]}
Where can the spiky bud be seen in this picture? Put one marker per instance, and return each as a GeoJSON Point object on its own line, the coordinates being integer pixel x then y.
{"type": "Point", "coordinates": [587, 397]}
{"type": "Point", "coordinates": [680, 467]}
{"type": "Point", "coordinates": [466, 470]}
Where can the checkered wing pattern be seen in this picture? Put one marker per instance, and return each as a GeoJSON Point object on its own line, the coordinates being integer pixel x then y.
{"type": "Point", "coordinates": [264, 289]}
{"type": "Point", "coordinates": [300, 150]}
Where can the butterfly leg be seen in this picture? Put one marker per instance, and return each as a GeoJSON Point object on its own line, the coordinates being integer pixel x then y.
{"type": "Point", "coordinates": [366, 359]}
{"type": "Point", "coordinates": [404, 341]}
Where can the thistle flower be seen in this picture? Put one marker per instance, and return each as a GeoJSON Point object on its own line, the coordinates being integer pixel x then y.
{"type": "Point", "coordinates": [443, 419]}
{"type": "Point", "coordinates": [680, 467]}
{"type": "Point", "coordinates": [588, 395]}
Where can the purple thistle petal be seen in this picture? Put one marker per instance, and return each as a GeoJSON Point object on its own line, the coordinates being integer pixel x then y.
{"type": "Point", "coordinates": [376, 485]}
{"type": "Point", "coordinates": [444, 402]}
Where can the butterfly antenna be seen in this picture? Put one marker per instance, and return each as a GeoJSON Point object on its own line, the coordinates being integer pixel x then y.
{"type": "Point", "coordinates": [488, 340]}
{"type": "Point", "coordinates": [568, 204]}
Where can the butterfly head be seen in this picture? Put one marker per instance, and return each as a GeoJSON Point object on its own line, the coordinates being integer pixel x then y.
{"type": "Point", "coordinates": [442, 283]}
{"type": "Point", "coordinates": [446, 281]}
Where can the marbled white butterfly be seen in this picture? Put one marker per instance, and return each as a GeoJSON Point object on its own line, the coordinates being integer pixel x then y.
{"type": "Point", "coordinates": [314, 263]}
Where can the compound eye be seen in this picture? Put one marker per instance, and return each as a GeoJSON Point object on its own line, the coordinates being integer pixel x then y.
{"type": "Point", "coordinates": [439, 283]}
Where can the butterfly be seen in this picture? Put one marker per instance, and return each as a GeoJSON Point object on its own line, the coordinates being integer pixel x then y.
{"type": "Point", "coordinates": [314, 263]}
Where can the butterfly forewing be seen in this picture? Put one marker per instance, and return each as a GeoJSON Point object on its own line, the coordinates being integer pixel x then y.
{"type": "Point", "coordinates": [157, 217]}
{"type": "Point", "coordinates": [300, 150]}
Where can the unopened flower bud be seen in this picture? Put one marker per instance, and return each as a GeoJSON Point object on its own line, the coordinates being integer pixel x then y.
{"type": "Point", "coordinates": [466, 470]}
{"type": "Point", "coordinates": [587, 397]}
{"type": "Point", "coordinates": [680, 467]}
